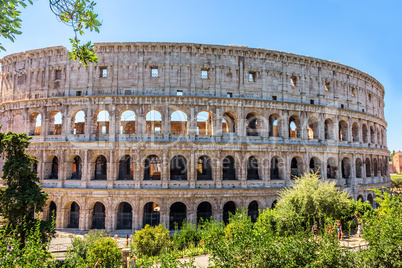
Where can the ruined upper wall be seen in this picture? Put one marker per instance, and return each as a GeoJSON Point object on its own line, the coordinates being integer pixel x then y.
{"type": "Point", "coordinates": [280, 76]}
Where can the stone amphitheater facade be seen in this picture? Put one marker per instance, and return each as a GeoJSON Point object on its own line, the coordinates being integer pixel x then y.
{"type": "Point", "coordinates": [158, 132]}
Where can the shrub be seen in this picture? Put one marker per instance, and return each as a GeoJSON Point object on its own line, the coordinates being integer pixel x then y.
{"type": "Point", "coordinates": [105, 252]}
{"type": "Point", "coordinates": [150, 240]}
{"type": "Point", "coordinates": [189, 233]}
{"type": "Point", "coordinates": [383, 232]}
{"type": "Point", "coordinates": [77, 253]}
{"type": "Point", "coordinates": [310, 199]}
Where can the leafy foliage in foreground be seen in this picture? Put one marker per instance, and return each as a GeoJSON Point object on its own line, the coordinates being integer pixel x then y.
{"type": "Point", "coordinates": [96, 245]}
{"type": "Point", "coordinates": [23, 195]}
{"type": "Point", "coordinates": [33, 254]}
{"type": "Point", "coordinates": [310, 199]}
{"type": "Point", "coordinates": [383, 232]}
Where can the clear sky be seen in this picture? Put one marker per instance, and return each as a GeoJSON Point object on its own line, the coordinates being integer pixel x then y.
{"type": "Point", "coordinates": [363, 34]}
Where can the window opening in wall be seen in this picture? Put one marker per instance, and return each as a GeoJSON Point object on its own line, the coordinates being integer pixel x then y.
{"type": "Point", "coordinates": [178, 123]}
{"type": "Point", "coordinates": [369, 96]}
{"type": "Point", "coordinates": [103, 129]}
{"type": "Point", "coordinates": [153, 122]}
{"type": "Point", "coordinates": [204, 74]}
{"type": "Point", "coordinates": [78, 93]}
{"type": "Point", "coordinates": [353, 92]}
{"type": "Point", "coordinates": [327, 86]}
{"type": "Point", "coordinates": [251, 76]}
{"type": "Point", "coordinates": [229, 95]}
{"type": "Point", "coordinates": [127, 121]}
{"type": "Point", "coordinates": [57, 75]}
{"type": "Point", "coordinates": [363, 110]}
{"type": "Point", "coordinates": [274, 98]}
{"type": "Point", "coordinates": [79, 123]}
{"type": "Point", "coordinates": [179, 92]}
{"type": "Point", "coordinates": [103, 72]}
{"type": "Point", "coordinates": [311, 101]}
{"type": "Point", "coordinates": [293, 81]}
{"type": "Point", "coordinates": [204, 123]}
{"type": "Point", "coordinates": [154, 72]}
{"type": "Point", "coordinates": [342, 106]}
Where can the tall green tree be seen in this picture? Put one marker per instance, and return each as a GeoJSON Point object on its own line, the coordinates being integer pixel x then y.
{"type": "Point", "coordinates": [23, 196]}
{"type": "Point", "coordinates": [78, 14]}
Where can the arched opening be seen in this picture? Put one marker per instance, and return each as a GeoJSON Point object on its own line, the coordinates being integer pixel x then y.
{"type": "Point", "coordinates": [79, 123]}
{"type": "Point", "coordinates": [274, 170]}
{"type": "Point", "coordinates": [204, 168]}
{"type": "Point", "coordinates": [228, 168]}
{"type": "Point", "coordinates": [365, 133]}
{"type": "Point", "coordinates": [252, 169]}
{"type": "Point", "coordinates": [274, 204]}
{"type": "Point", "coordinates": [355, 132]}
{"type": "Point", "coordinates": [359, 168]}
{"type": "Point", "coordinates": [153, 122]}
{"type": "Point", "coordinates": [372, 134]}
{"type": "Point", "coordinates": [53, 170]}
{"type": "Point", "coordinates": [205, 123]}
{"type": "Point", "coordinates": [34, 165]}
{"type": "Point", "coordinates": [343, 131]}
{"type": "Point", "coordinates": [294, 168]}
{"type": "Point", "coordinates": [152, 168]}
{"type": "Point", "coordinates": [328, 129]}
{"type": "Point", "coordinates": [346, 168]}
{"type": "Point", "coordinates": [100, 168]}
{"type": "Point", "coordinates": [178, 168]}
{"type": "Point", "coordinates": [368, 168]}
{"type": "Point", "coordinates": [35, 124]}
{"type": "Point", "coordinates": [312, 128]}
{"type": "Point", "coordinates": [331, 168]}
{"type": "Point", "coordinates": [127, 122]}
{"type": "Point", "coordinates": [228, 123]}
{"type": "Point", "coordinates": [55, 123]}
{"type": "Point", "coordinates": [228, 209]}
{"type": "Point", "coordinates": [77, 168]}
{"type": "Point", "coordinates": [370, 200]}
{"type": "Point", "coordinates": [314, 165]}
{"type": "Point", "coordinates": [98, 216]}
{"type": "Point", "coordinates": [178, 213]}
{"type": "Point", "coordinates": [178, 123]}
{"type": "Point", "coordinates": [102, 122]}
{"type": "Point", "coordinates": [253, 211]}
{"type": "Point", "coordinates": [74, 217]}
{"type": "Point", "coordinates": [151, 214]}
{"type": "Point", "coordinates": [251, 125]}
{"type": "Point", "coordinates": [124, 216]}
{"type": "Point", "coordinates": [375, 167]}
{"type": "Point", "coordinates": [204, 211]}
{"type": "Point", "coordinates": [273, 126]}
{"type": "Point", "coordinates": [360, 197]}
{"type": "Point", "coordinates": [126, 168]}
{"type": "Point", "coordinates": [293, 127]}
{"type": "Point", "coordinates": [52, 211]}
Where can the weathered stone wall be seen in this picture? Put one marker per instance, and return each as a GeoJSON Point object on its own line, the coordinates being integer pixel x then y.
{"type": "Point", "coordinates": [337, 111]}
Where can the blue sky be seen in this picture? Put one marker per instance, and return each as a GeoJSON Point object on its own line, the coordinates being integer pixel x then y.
{"type": "Point", "coordinates": [363, 34]}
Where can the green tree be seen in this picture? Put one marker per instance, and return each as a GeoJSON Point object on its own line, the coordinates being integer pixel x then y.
{"type": "Point", "coordinates": [151, 240]}
{"type": "Point", "coordinates": [23, 196]}
{"type": "Point", "coordinates": [105, 252]}
{"type": "Point", "coordinates": [79, 14]}
{"type": "Point", "coordinates": [310, 199]}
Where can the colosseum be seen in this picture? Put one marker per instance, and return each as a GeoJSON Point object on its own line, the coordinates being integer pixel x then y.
{"type": "Point", "coordinates": [161, 132]}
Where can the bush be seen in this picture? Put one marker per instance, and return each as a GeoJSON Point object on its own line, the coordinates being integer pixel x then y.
{"type": "Point", "coordinates": [77, 253]}
{"type": "Point", "coordinates": [310, 199]}
{"type": "Point", "coordinates": [105, 252]}
{"type": "Point", "coordinates": [150, 240]}
{"type": "Point", "coordinates": [383, 232]}
{"type": "Point", "coordinates": [189, 233]}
